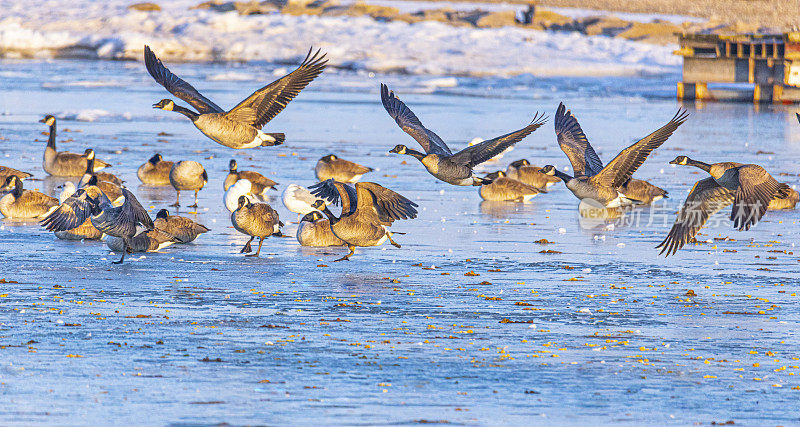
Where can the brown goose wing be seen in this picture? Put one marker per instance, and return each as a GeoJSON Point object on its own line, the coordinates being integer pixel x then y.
{"type": "Point", "coordinates": [177, 86]}
{"type": "Point", "coordinates": [479, 153]}
{"type": "Point", "coordinates": [387, 204]}
{"type": "Point", "coordinates": [620, 170]}
{"type": "Point", "coordinates": [74, 211]}
{"type": "Point", "coordinates": [756, 190]}
{"type": "Point", "coordinates": [350, 167]}
{"type": "Point", "coordinates": [575, 145]}
{"type": "Point", "coordinates": [410, 124]}
{"type": "Point", "coordinates": [706, 198]}
{"type": "Point", "coordinates": [264, 104]}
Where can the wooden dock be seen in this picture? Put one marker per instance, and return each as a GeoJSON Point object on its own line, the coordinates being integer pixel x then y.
{"type": "Point", "coordinates": [770, 62]}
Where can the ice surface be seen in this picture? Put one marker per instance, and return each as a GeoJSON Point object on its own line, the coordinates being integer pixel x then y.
{"type": "Point", "coordinates": [200, 335]}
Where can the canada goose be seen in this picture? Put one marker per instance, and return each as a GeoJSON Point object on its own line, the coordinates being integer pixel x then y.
{"type": "Point", "coordinates": [241, 126]}
{"type": "Point", "coordinates": [298, 199]}
{"type": "Point", "coordinates": [241, 188]}
{"type": "Point", "coordinates": [259, 183]}
{"type": "Point", "coordinates": [151, 241]}
{"type": "Point", "coordinates": [85, 231]}
{"type": "Point", "coordinates": [315, 230]}
{"type": "Point", "coordinates": [63, 163]}
{"type": "Point", "coordinates": [501, 188]}
{"type": "Point", "coordinates": [111, 188]}
{"type": "Point", "coordinates": [6, 171]}
{"type": "Point", "coordinates": [748, 187]}
{"type": "Point", "coordinates": [367, 211]}
{"type": "Point", "coordinates": [183, 229]}
{"type": "Point", "coordinates": [523, 170]}
{"type": "Point", "coordinates": [122, 221]}
{"type": "Point", "coordinates": [785, 198]}
{"type": "Point", "coordinates": [452, 168]}
{"type": "Point", "coordinates": [255, 220]}
{"type": "Point", "coordinates": [340, 170]}
{"type": "Point", "coordinates": [798, 116]}
{"type": "Point", "coordinates": [187, 175]}
{"type": "Point", "coordinates": [155, 171]}
{"type": "Point", "coordinates": [592, 180]}
{"type": "Point", "coordinates": [21, 203]}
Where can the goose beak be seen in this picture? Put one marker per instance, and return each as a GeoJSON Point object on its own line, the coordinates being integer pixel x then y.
{"type": "Point", "coordinates": [157, 105]}
{"type": "Point", "coordinates": [41, 121]}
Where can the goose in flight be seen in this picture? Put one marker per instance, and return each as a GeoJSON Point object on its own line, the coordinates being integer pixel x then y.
{"type": "Point", "coordinates": [592, 180]}
{"type": "Point", "coordinates": [367, 211]}
{"type": "Point", "coordinates": [750, 188]}
{"type": "Point", "coordinates": [125, 221]}
{"type": "Point", "coordinates": [453, 168]}
{"type": "Point", "coordinates": [241, 126]}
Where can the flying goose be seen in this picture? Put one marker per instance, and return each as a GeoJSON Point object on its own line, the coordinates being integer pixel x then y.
{"type": "Point", "coordinates": [331, 166]}
{"type": "Point", "coordinates": [155, 171]}
{"type": "Point", "coordinates": [501, 188]}
{"type": "Point", "coordinates": [183, 229]}
{"type": "Point", "coordinates": [298, 199]}
{"type": "Point", "coordinates": [367, 211]}
{"type": "Point", "coordinates": [187, 175]}
{"type": "Point", "coordinates": [21, 203]}
{"type": "Point", "coordinates": [125, 221]}
{"type": "Point", "coordinates": [85, 231]}
{"type": "Point", "coordinates": [6, 171]}
{"type": "Point", "coordinates": [748, 187]}
{"type": "Point", "coordinates": [523, 170]}
{"type": "Point", "coordinates": [255, 220]}
{"type": "Point", "coordinates": [592, 180]}
{"type": "Point", "coordinates": [151, 241]}
{"type": "Point", "coordinates": [452, 168]}
{"type": "Point", "coordinates": [259, 183]}
{"type": "Point", "coordinates": [785, 198]}
{"type": "Point", "coordinates": [241, 126]}
{"type": "Point", "coordinates": [63, 163]}
{"type": "Point", "coordinates": [315, 230]}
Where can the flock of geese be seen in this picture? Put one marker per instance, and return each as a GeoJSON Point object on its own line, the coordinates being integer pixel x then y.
{"type": "Point", "coordinates": [100, 205]}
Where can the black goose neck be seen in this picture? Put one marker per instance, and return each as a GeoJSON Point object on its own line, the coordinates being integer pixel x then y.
{"type": "Point", "coordinates": [414, 153]}
{"type": "Point", "coordinates": [186, 112]}
{"type": "Point", "coordinates": [698, 164]}
{"type": "Point", "coordinates": [331, 217]}
{"type": "Point", "coordinates": [564, 177]}
{"type": "Point", "coordinates": [51, 140]}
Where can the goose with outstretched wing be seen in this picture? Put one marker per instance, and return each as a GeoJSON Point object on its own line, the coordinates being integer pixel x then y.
{"type": "Point", "coordinates": [452, 168]}
{"type": "Point", "coordinates": [241, 126]}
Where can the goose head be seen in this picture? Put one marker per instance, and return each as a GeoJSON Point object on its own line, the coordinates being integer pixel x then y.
{"type": "Point", "coordinates": [312, 216]}
{"type": "Point", "coordinates": [494, 175]}
{"type": "Point", "coordinates": [399, 149]}
{"type": "Point", "coordinates": [680, 160]}
{"type": "Point", "coordinates": [243, 202]}
{"type": "Point", "coordinates": [9, 184]}
{"type": "Point", "coordinates": [89, 154]}
{"type": "Point", "coordinates": [155, 159]}
{"type": "Point", "coordinates": [232, 166]}
{"type": "Point", "coordinates": [48, 120]}
{"type": "Point", "coordinates": [548, 170]}
{"type": "Point", "coordinates": [519, 163]}
{"type": "Point", "coordinates": [318, 204]}
{"type": "Point", "coordinates": [165, 104]}
{"type": "Point", "coordinates": [162, 214]}
{"type": "Point", "coordinates": [329, 158]}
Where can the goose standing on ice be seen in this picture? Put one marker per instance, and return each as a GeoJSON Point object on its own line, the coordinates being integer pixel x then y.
{"type": "Point", "coordinates": [241, 126]}
{"type": "Point", "coordinates": [24, 204]}
{"type": "Point", "coordinates": [125, 221]}
{"type": "Point", "coordinates": [504, 189]}
{"type": "Point", "coordinates": [440, 162]}
{"type": "Point", "coordinates": [255, 220]}
{"type": "Point", "coordinates": [339, 169]}
{"type": "Point", "coordinates": [592, 180]}
{"type": "Point", "coordinates": [155, 171]}
{"type": "Point", "coordinates": [187, 175]}
{"type": "Point", "coordinates": [64, 163]}
{"type": "Point", "coordinates": [522, 170]}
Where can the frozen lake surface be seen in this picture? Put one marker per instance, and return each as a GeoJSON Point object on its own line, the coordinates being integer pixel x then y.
{"type": "Point", "coordinates": [468, 323]}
